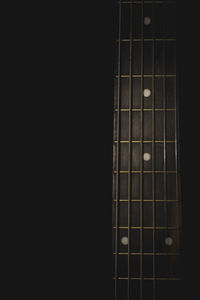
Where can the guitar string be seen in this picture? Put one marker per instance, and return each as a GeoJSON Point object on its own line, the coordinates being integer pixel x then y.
{"type": "Point", "coordinates": [177, 155]}
{"type": "Point", "coordinates": [164, 134]}
{"type": "Point", "coordinates": [130, 150]}
{"type": "Point", "coordinates": [153, 145]}
{"type": "Point", "coordinates": [118, 154]}
{"type": "Point", "coordinates": [141, 155]}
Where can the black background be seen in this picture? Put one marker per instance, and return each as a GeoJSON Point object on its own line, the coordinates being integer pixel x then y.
{"type": "Point", "coordinates": [70, 157]}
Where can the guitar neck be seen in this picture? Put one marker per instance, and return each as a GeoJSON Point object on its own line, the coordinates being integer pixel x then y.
{"type": "Point", "coordinates": [146, 179]}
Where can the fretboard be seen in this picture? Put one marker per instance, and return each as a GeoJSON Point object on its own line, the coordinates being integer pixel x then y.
{"type": "Point", "coordinates": [146, 179]}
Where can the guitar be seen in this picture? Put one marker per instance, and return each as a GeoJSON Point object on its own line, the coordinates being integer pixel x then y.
{"type": "Point", "coordinates": [146, 173]}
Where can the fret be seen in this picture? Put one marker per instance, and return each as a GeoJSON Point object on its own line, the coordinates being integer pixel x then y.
{"type": "Point", "coordinates": [148, 219]}
{"type": "Point", "coordinates": [147, 109]}
{"type": "Point", "coordinates": [147, 76]}
{"type": "Point", "coordinates": [151, 200]}
{"type": "Point", "coordinates": [148, 40]}
{"type": "Point", "coordinates": [170, 54]}
{"type": "Point", "coordinates": [146, 172]}
{"type": "Point", "coordinates": [166, 2]}
{"type": "Point", "coordinates": [148, 247]}
{"type": "Point", "coordinates": [148, 278]}
{"type": "Point", "coordinates": [156, 253]}
{"type": "Point", "coordinates": [145, 123]}
{"type": "Point", "coordinates": [147, 264]}
{"type": "Point", "coordinates": [159, 186]}
{"type": "Point", "coordinates": [148, 228]}
{"type": "Point", "coordinates": [161, 141]}
{"type": "Point", "coordinates": [149, 1]}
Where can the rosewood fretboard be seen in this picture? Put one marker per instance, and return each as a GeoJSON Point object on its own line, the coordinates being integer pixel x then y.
{"type": "Point", "coordinates": [146, 197]}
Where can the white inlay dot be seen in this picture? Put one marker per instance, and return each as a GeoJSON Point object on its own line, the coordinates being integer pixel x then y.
{"type": "Point", "coordinates": [147, 156]}
{"type": "Point", "coordinates": [146, 93]}
{"type": "Point", "coordinates": [168, 241]}
{"type": "Point", "coordinates": [147, 20]}
{"type": "Point", "coordinates": [124, 240]}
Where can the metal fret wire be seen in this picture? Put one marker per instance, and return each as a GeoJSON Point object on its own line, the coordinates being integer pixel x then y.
{"type": "Point", "coordinates": [144, 227]}
{"type": "Point", "coordinates": [146, 109]}
{"type": "Point", "coordinates": [148, 253]}
{"type": "Point", "coordinates": [141, 154]}
{"type": "Point", "coordinates": [148, 278]}
{"type": "Point", "coordinates": [147, 172]}
{"type": "Point", "coordinates": [146, 40]}
{"type": "Point", "coordinates": [147, 75]}
{"type": "Point", "coordinates": [167, 141]}
{"type": "Point", "coordinates": [118, 156]}
{"type": "Point", "coordinates": [152, 200]}
{"type": "Point", "coordinates": [130, 150]}
{"type": "Point", "coordinates": [153, 146]}
{"type": "Point", "coordinates": [148, 2]}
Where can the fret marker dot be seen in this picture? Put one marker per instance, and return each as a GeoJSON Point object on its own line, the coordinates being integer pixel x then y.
{"type": "Point", "coordinates": [168, 241]}
{"type": "Point", "coordinates": [147, 20]}
{"type": "Point", "coordinates": [146, 93]}
{"type": "Point", "coordinates": [147, 156]}
{"type": "Point", "coordinates": [124, 240]}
